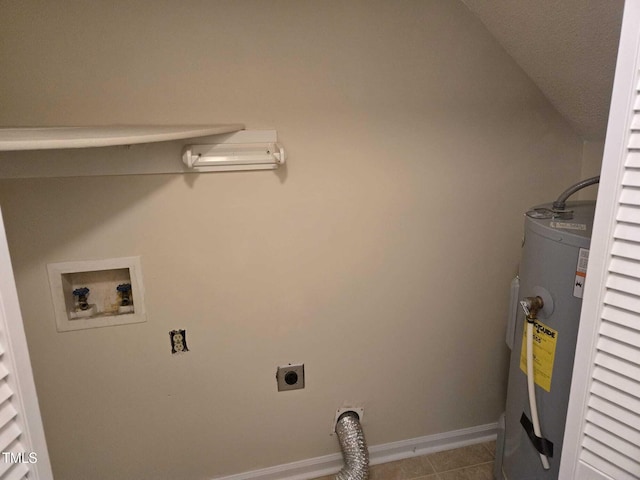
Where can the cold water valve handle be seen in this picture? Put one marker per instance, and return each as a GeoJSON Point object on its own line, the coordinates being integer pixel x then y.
{"type": "Point", "coordinates": [125, 292]}
{"type": "Point", "coordinates": [82, 294]}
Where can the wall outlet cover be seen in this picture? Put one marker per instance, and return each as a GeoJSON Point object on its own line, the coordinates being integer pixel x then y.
{"type": "Point", "coordinates": [178, 341]}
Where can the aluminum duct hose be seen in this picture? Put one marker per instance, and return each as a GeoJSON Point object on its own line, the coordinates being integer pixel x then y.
{"type": "Point", "coordinates": [354, 448]}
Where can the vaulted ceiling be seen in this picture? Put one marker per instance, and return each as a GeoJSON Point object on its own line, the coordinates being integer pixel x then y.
{"type": "Point", "coordinates": [567, 47]}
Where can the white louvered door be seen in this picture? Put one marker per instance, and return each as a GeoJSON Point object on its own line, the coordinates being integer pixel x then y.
{"type": "Point", "coordinates": [602, 439]}
{"type": "Point", "coordinates": [23, 450]}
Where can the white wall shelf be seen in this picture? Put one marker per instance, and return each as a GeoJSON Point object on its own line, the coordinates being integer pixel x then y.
{"type": "Point", "coordinates": [50, 138]}
{"type": "Point", "coordinates": [119, 150]}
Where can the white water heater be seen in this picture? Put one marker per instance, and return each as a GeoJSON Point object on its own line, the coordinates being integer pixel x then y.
{"type": "Point", "coordinates": [553, 268]}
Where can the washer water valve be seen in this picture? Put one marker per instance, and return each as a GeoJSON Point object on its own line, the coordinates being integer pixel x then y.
{"type": "Point", "coordinates": [125, 293]}
{"type": "Point", "coordinates": [81, 300]}
{"type": "Point", "coordinates": [126, 302]}
{"type": "Point", "coordinates": [82, 307]}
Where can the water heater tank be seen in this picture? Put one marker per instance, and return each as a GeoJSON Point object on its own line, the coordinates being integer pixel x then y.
{"type": "Point", "coordinates": [553, 266]}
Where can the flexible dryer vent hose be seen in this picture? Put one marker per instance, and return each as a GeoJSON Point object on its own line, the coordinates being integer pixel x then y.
{"type": "Point", "coordinates": [354, 448]}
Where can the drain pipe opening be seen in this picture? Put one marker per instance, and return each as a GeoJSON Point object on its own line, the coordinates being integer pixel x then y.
{"type": "Point", "coordinates": [353, 446]}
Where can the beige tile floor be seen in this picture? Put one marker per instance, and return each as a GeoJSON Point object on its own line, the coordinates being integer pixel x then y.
{"type": "Point", "coordinates": [474, 462]}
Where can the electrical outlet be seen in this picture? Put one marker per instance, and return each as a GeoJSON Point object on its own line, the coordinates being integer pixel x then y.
{"type": "Point", "coordinates": [290, 377]}
{"type": "Point", "coordinates": [178, 341]}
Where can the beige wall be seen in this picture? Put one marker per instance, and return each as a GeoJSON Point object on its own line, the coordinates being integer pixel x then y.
{"type": "Point", "coordinates": [381, 259]}
{"type": "Point", "coordinates": [592, 152]}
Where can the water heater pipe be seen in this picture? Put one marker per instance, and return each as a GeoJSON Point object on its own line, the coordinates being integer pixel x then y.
{"type": "Point", "coordinates": [531, 306]}
{"type": "Point", "coordinates": [354, 448]}
{"type": "Point", "coordinates": [560, 203]}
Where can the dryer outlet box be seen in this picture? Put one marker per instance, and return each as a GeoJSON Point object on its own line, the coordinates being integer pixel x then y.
{"type": "Point", "coordinates": [290, 377]}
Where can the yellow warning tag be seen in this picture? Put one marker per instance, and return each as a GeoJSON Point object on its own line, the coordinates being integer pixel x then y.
{"type": "Point", "coordinates": [544, 352]}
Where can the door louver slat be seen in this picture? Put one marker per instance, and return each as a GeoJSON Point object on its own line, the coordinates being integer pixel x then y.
{"type": "Point", "coordinates": [611, 436]}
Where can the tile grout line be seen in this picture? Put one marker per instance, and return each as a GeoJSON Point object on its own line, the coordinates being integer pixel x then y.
{"type": "Point", "coordinates": [467, 466]}
{"type": "Point", "coordinates": [437, 474]}
{"type": "Point", "coordinates": [433, 467]}
{"type": "Point", "coordinates": [493, 455]}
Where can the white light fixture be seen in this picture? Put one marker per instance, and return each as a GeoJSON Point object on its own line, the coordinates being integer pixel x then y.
{"type": "Point", "coordinates": [225, 157]}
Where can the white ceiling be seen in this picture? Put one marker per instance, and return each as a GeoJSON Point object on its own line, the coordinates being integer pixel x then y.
{"type": "Point", "coordinates": [567, 47]}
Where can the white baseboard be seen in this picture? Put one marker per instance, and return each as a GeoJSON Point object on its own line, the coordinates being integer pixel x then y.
{"type": "Point", "coordinates": [388, 452]}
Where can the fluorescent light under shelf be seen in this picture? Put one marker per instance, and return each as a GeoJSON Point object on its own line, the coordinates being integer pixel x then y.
{"type": "Point", "coordinates": [233, 156]}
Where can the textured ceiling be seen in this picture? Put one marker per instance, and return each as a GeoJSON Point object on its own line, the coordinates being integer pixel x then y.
{"type": "Point", "coordinates": [567, 47]}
